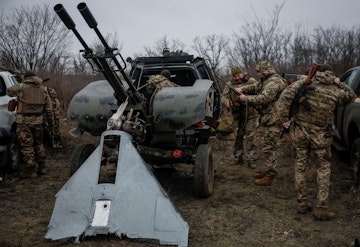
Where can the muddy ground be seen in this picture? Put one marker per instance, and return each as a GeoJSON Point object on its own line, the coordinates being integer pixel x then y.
{"type": "Point", "coordinates": [238, 213]}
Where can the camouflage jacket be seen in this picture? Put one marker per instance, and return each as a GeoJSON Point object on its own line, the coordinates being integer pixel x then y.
{"type": "Point", "coordinates": [161, 81]}
{"type": "Point", "coordinates": [17, 91]}
{"type": "Point", "coordinates": [54, 101]}
{"type": "Point", "coordinates": [229, 96]}
{"type": "Point", "coordinates": [263, 96]}
{"type": "Point", "coordinates": [323, 96]}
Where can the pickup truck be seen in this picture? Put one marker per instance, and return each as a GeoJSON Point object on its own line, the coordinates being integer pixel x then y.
{"type": "Point", "coordinates": [9, 146]}
{"type": "Point", "coordinates": [347, 123]}
{"type": "Point", "coordinates": [173, 124]}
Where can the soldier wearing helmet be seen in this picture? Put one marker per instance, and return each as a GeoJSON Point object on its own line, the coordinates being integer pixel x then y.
{"type": "Point", "coordinates": [264, 99]}
{"type": "Point", "coordinates": [240, 113]}
{"type": "Point", "coordinates": [309, 132]}
{"type": "Point", "coordinates": [54, 134]}
{"type": "Point", "coordinates": [33, 101]}
{"type": "Point", "coordinates": [161, 80]}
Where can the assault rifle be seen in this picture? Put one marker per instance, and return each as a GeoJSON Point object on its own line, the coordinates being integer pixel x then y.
{"type": "Point", "coordinates": [300, 97]}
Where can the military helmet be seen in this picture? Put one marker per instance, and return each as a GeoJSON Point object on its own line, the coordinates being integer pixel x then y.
{"type": "Point", "coordinates": [324, 67]}
{"type": "Point", "coordinates": [29, 73]}
{"type": "Point", "coordinates": [325, 74]}
{"type": "Point", "coordinates": [266, 68]}
{"type": "Point", "coordinates": [166, 73]}
{"type": "Point", "coordinates": [237, 70]}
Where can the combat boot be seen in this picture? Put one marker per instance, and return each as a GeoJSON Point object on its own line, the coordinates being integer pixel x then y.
{"type": "Point", "coordinates": [303, 208]}
{"type": "Point", "coordinates": [260, 174]}
{"type": "Point", "coordinates": [321, 213]}
{"type": "Point", "coordinates": [268, 179]}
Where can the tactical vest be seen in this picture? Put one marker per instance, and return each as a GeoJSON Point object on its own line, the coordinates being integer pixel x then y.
{"type": "Point", "coordinates": [323, 99]}
{"type": "Point", "coordinates": [32, 100]}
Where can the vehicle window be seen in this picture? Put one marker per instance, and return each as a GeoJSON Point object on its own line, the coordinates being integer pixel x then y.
{"type": "Point", "coordinates": [14, 80]}
{"type": "Point", "coordinates": [203, 72]}
{"type": "Point", "coordinates": [135, 77]}
{"type": "Point", "coordinates": [353, 82]}
{"type": "Point", "coordinates": [345, 78]}
{"type": "Point", "coordinates": [182, 77]}
{"type": "Point", "coordinates": [2, 87]}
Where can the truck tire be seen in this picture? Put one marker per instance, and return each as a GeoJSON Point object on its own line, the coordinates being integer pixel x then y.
{"type": "Point", "coordinates": [79, 155]}
{"type": "Point", "coordinates": [355, 160]}
{"type": "Point", "coordinates": [13, 154]}
{"type": "Point", "coordinates": [204, 171]}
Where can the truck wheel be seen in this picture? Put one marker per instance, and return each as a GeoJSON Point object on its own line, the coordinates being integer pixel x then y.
{"type": "Point", "coordinates": [80, 154]}
{"type": "Point", "coordinates": [355, 160]}
{"type": "Point", "coordinates": [204, 171]}
{"type": "Point", "coordinates": [13, 154]}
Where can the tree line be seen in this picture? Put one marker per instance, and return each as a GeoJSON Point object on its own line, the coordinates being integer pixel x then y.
{"type": "Point", "coordinates": [34, 38]}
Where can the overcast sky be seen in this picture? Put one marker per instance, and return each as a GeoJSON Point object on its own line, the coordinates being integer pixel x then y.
{"type": "Point", "coordinates": [140, 23]}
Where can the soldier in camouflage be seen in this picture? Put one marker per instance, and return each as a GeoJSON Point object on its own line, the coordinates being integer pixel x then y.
{"type": "Point", "coordinates": [310, 131]}
{"type": "Point", "coordinates": [55, 135]}
{"type": "Point", "coordinates": [33, 100]}
{"type": "Point", "coordinates": [240, 112]}
{"type": "Point", "coordinates": [268, 91]}
{"type": "Point", "coordinates": [162, 80]}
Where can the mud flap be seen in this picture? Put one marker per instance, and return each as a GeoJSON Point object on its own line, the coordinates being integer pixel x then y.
{"type": "Point", "coordinates": [134, 205]}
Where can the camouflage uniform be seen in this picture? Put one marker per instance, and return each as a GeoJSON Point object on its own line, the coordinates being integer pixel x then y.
{"type": "Point", "coordinates": [240, 112]}
{"type": "Point", "coordinates": [55, 135]}
{"type": "Point", "coordinates": [310, 128]}
{"type": "Point", "coordinates": [269, 90]}
{"type": "Point", "coordinates": [160, 81]}
{"type": "Point", "coordinates": [33, 99]}
{"type": "Point", "coordinates": [252, 135]}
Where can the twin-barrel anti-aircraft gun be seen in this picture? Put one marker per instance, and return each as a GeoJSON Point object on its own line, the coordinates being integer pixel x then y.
{"type": "Point", "coordinates": [112, 190]}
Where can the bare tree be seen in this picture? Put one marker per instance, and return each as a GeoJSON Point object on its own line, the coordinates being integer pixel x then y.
{"type": "Point", "coordinates": [301, 51]}
{"type": "Point", "coordinates": [175, 45]}
{"type": "Point", "coordinates": [259, 39]}
{"type": "Point", "coordinates": [212, 47]}
{"type": "Point", "coordinates": [337, 47]}
{"type": "Point", "coordinates": [33, 38]}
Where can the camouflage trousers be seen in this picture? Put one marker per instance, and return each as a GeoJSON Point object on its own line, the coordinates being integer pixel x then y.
{"type": "Point", "coordinates": [54, 134]}
{"type": "Point", "coordinates": [56, 125]}
{"type": "Point", "coordinates": [239, 130]}
{"type": "Point", "coordinates": [31, 141]}
{"type": "Point", "coordinates": [270, 144]}
{"type": "Point", "coordinates": [305, 141]}
{"type": "Point", "coordinates": [251, 143]}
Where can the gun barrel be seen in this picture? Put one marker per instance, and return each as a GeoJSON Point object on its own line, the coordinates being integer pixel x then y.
{"type": "Point", "coordinates": [86, 13]}
{"type": "Point", "coordinates": [101, 61]}
{"type": "Point", "coordinates": [90, 20]}
{"type": "Point", "coordinates": [69, 23]}
{"type": "Point", "coordinates": [64, 16]}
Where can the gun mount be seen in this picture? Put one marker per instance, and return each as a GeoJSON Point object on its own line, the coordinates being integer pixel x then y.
{"type": "Point", "coordinates": [169, 124]}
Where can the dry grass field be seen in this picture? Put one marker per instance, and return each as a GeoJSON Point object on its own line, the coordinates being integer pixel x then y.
{"type": "Point", "coordinates": [238, 213]}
